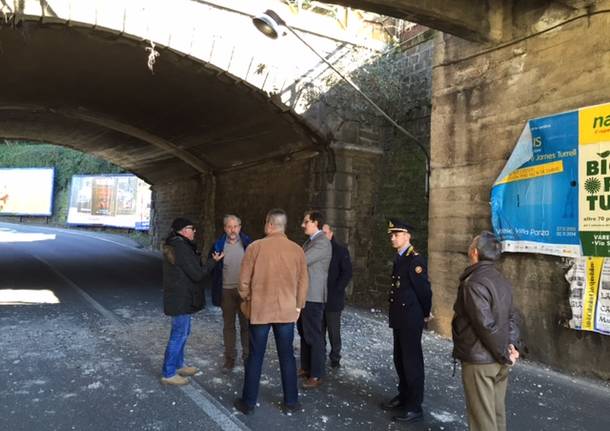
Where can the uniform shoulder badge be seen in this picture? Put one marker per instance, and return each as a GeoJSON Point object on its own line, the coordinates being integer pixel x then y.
{"type": "Point", "coordinates": [419, 269]}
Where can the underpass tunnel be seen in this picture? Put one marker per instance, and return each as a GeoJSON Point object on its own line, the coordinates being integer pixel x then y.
{"type": "Point", "coordinates": [182, 127]}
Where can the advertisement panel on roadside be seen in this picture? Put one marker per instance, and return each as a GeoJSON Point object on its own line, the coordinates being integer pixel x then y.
{"type": "Point", "coordinates": [110, 200]}
{"type": "Point", "coordinates": [26, 191]}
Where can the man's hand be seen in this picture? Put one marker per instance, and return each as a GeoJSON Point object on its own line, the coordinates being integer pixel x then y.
{"type": "Point", "coordinates": [218, 256]}
{"type": "Point", "coordinates": [513, 354]}
{"type": "Point", "coordinates": [429, 318]}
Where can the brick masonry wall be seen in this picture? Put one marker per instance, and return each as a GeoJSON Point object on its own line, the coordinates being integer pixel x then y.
{"type": "Point", "coordinates": [397, 180]}
{"type": "Point", "coordinates": [192, 198]}
{"type": "Point", "coordinates": [252, 192]}
{"type": "Point", "coordinates": [480, 105]}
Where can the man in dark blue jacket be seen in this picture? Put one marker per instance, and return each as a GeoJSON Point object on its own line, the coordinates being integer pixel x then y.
{"type": "Point", "coordinates": [339, 276]}
{"type": "Point", "coordinates": [228, 252]}
{"type": "Point", "coordinates": [410, 303]}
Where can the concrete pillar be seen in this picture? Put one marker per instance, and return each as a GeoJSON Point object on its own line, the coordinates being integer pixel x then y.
{"type": "Point", "coordinates": [346, 196]}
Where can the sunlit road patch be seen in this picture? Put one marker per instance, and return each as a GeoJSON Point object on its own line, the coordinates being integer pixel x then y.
{"type": "Point", "coordinates": [27, 297]}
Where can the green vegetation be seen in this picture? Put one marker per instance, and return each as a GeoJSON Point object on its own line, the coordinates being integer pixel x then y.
{"type": "Point", "coordinates": [66, 162]}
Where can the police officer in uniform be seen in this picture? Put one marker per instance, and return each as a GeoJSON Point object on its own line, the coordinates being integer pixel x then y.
{"type": "Point", "coordinates": [410, 303]}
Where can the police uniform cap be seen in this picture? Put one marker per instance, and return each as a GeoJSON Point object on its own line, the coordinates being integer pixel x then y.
{"type": "Point", "coordinates": [396, 225]}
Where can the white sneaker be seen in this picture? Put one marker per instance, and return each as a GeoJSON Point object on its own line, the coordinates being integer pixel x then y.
{"type": "Point", "coordinates": [176, 379]}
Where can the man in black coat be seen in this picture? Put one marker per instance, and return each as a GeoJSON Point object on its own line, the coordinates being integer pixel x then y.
{"type": "Point", "coordinates": [410, 303]}
{"type": "Point", "coordinates": [339, 276]}
{"type": "Point", "coordinates": [182, 296]}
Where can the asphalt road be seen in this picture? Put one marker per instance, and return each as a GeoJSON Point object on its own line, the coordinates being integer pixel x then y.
{"type": "Point", "coordinates": [72, 365]}
{"type": "Point", "coordinates": [82, 335]}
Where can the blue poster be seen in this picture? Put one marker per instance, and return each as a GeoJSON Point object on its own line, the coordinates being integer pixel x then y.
{"type": "Point", "coordinates": [534, 201]}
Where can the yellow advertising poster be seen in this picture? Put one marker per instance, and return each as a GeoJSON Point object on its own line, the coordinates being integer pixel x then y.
{"type": "Point", "coordinates": [594, 180]}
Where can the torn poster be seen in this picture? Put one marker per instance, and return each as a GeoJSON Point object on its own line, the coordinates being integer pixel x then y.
{"type": "Point", "coordinates": [589, 279]}
{"type": "Point", "coordinates": [553, 195]}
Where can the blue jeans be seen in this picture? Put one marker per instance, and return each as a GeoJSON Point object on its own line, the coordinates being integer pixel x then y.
{"type": "Point", "coordinates": [174, 352]}
{"type": "Point", "coordinates": [284, 337]}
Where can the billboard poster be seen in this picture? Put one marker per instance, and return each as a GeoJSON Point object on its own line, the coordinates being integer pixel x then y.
{"type": "Point", "coordinates": [110, 200]}
{"type": "Point", "coordinates": [26, 191]}
{"type": "Point", "coordinates": [553, 195]}
{"type": "Point", "coordinates": [589, 279]}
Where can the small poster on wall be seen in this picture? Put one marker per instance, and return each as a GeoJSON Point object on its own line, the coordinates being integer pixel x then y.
{"type": "Point", "coordinates": [589, 279]}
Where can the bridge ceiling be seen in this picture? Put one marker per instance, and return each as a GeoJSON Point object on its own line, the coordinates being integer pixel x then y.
{"type": "Point", "coordinates": [478, 20]}
{"type": "Point", "coordinates": [91, 90]}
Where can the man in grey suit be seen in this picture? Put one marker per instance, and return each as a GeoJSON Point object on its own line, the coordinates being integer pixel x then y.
{"type": "Point", "coordinates": [318, 252]}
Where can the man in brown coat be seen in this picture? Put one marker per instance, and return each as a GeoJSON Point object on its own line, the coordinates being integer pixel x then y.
{"type": "Point", "coordinates": [273, 286]}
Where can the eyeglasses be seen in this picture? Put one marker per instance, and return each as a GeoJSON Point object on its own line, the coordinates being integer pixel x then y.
{"type": "Point", "coordinates": [191, 228]}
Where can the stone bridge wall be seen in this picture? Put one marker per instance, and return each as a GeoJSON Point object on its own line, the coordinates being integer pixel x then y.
{"type": "Point", "coordinates": [481, 101]}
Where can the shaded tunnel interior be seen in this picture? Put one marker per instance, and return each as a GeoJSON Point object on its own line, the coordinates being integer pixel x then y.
{"type": "Point", "coordinates": [91, 90]}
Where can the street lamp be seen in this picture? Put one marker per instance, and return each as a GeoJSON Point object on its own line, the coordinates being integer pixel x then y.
{"type": "Point", "coordinates": [273, 26]}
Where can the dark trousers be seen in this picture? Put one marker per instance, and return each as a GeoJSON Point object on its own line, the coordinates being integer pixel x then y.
{"type": "Point", "coordinates": [284, 337]}
{"type": "Point", "coordinates": [313, 351]}
{"type": "Point", "coordinates": [230, 311]}
{"type": "Point", "coordinates": [332, 326]}
{"type": "Point", "coordinates": [174, 352]}
{"type": "Point", "coordinates": [409, 363]}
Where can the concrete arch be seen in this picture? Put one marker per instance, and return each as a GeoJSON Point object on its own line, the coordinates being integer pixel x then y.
{"type": "Point", "coordinates": [74, 74]}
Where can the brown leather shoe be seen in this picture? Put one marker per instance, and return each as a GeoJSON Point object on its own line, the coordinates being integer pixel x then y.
{"type": "Point", "coordinates": [228, 366]}
{"type": "Point", "coordinates": [303, 373]}
{"type": "Point", "coordinates": [312, 383]}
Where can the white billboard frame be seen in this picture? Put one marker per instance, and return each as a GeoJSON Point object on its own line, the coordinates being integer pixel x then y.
{"type": "Point", "coordinates": [104, 196]}
{"type": "Point", "coordinates": [5, 193]}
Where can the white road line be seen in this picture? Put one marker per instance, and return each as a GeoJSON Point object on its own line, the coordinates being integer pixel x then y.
{"type": "Point", "coordinates": [202, 398]}
{"type": "Point", "coordinates": [92, 302]}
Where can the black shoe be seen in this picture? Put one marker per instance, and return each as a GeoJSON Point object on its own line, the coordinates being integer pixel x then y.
{"type": "Point", "coordinates": [240, 405]}
{"type": "Point", "coordinates": [291, 408]}
{"type": "Point", "coordinates": [335, 364]}
{"type": "Point", "coordinates": [394, 404]}
{"type": "Point", "coordinates": [409, 416]}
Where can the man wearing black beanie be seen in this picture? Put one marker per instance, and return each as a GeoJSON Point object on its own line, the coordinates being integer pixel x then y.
{"type": "Point", "coordinates": [182, 296]}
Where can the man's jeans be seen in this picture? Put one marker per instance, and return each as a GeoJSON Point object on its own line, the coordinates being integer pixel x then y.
{"type": "Point", "coordinates": [174, 352]}
{"type": "Point", "coordinates": [284, 337]}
